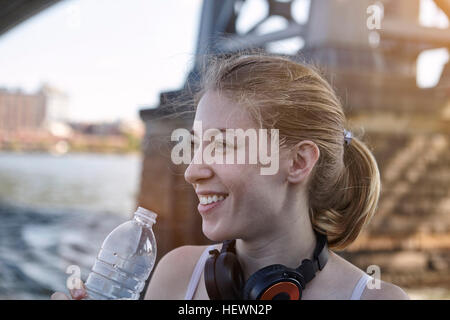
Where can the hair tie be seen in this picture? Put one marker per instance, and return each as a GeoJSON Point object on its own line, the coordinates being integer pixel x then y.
{"type": "Point", "coordinates": [347, 136]}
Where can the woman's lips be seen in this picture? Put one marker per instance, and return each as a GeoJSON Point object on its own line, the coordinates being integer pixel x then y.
{"type": "Point", "coordinates": [207, 208]}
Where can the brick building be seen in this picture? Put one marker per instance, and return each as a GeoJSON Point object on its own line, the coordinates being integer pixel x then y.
{"type": "Point", "coordinates": [25, 111]}
{"type": "Point", "coordinates": [19, 110]}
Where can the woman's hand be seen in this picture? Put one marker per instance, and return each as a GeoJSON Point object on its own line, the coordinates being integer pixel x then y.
{"type": "Point", "coordinates": [77, 294]}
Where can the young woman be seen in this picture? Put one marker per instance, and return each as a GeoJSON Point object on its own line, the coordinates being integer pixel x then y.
{"type": "Point", "coordinates": [327, 182]}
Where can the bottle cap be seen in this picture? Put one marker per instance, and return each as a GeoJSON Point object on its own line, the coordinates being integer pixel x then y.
{"type": "Point", "coordinates": [146, 215]}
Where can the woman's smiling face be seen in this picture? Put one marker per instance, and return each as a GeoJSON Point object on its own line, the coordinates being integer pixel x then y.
{"type": "Point", "coordinates": [252, 202]}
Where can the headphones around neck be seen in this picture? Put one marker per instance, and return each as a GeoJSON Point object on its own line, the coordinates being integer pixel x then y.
{"type": "Point", "coordinates": [224, 278]}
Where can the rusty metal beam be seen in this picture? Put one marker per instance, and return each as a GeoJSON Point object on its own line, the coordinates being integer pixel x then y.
{"type": "Point", "coordinates": [251, 40]}
{"type": "Point", "coordinates": [399, 30]}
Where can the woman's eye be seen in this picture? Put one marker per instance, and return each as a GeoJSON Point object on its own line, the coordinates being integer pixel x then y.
{"type": "Point", "coordinates": [194, 143]}
{"type": "Point", "coordinates": [220, 145]}
{"type": "Point", "coordinates": [223, 145]}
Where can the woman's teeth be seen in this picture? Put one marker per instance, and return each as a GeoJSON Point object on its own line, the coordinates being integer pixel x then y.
{"type": "Point", "coordinates": [211, 199]}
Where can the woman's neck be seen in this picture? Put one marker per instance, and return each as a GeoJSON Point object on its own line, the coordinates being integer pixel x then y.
{"type": "Point", "coordinates": [287, 246]}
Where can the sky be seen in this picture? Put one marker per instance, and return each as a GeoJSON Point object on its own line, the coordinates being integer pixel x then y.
{"type": "Point", "coordinates": [113, 58]}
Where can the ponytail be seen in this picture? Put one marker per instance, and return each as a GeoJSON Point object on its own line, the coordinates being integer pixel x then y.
{"type": "Point", "coordinates": [355, 199]}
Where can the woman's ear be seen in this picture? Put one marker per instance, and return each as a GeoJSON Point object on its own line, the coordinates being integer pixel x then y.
{"type": "Point", "coordinates": [304, 156]}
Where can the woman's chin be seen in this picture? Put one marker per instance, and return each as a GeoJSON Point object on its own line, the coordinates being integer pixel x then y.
{"type": "Point", "coordinates": [216, 235]}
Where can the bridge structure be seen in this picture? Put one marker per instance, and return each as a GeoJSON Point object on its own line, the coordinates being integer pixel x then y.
{"type": "Point", "coordinates": [14, 12]}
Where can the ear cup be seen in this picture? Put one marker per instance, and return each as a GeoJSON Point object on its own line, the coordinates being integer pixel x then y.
{"type": "Point", "coordinates": [254, 284]}
{"type": "Point", "coordinates": [210, 276]}
{"type": "Point", "coordinates": [273, 282]}
{"type": "Point", "coordinates": [229, 276]}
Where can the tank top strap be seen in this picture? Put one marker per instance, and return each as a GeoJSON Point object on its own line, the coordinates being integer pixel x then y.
{"type": "Point", "coordinates": [360, 286]}
{"type": "Point", "coordinates": [195, 278]}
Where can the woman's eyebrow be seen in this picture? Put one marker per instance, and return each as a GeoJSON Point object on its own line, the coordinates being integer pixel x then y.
{"type": "Point", "coordinates": [220, 129]}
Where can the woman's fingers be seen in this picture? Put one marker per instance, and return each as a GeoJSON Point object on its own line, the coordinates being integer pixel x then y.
{"type": "Point", "coordinates": [79, 294]}
{"type": "Point", "coordinates": [59, 296]}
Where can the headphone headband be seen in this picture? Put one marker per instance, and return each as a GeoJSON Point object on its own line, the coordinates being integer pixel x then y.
{"type": "Point", "coordinates": [224, 276]}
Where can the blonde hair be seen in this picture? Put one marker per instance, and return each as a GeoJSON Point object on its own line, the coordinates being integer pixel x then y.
{"type": "Point", "coordinates": [294, 98]}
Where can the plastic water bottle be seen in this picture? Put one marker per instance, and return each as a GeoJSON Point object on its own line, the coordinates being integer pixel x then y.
{"type": "Point", "coordinates": [125, 260]}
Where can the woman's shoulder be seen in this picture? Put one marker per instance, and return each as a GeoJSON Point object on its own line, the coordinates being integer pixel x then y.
{"type": "Point", "coordinates": [384, 291]}
{"type": "Point", "coordinates": [378, 290]}
{"type": "Point", "coordinates": [173, 272]}
{"type": "Point", "coordinates": [188, 254]}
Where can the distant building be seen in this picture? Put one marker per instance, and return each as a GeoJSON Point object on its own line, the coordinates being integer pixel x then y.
{"type": "Point", "coordinates": [57, 104]}
{"type": "Point", "coordinates": [19, 110]}
{"type": "Point", "coordinates": [118, 128]}
{"type": "Point", "coordinates": [24, 111]}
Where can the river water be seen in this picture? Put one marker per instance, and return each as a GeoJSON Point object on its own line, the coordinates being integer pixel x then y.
{"type": "Point", "coordinates": [55, 212]}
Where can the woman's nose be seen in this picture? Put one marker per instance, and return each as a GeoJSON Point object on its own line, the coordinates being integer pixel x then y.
{"type": "Point", "coordinates": [197, 172]}
{"type": "Point", "coordinates": [197, 169]}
